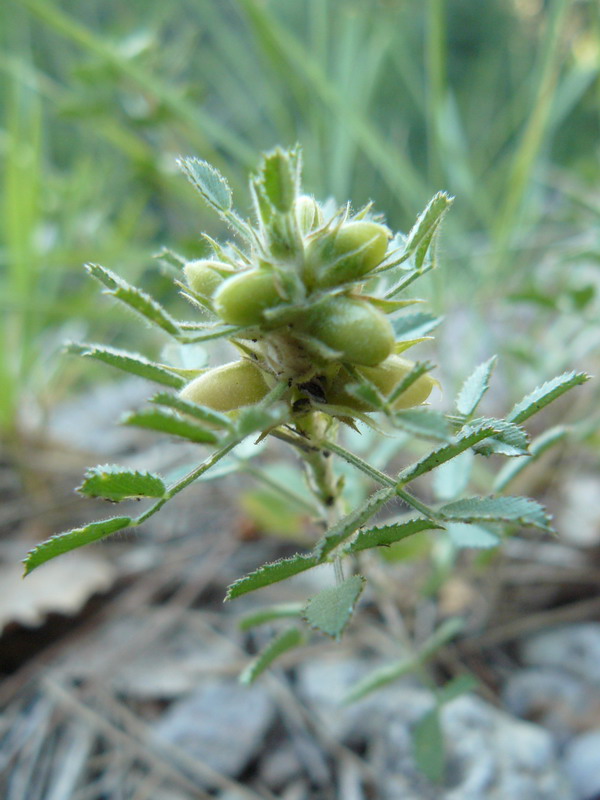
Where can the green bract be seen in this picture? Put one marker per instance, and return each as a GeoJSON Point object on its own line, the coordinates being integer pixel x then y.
{"type": "Point", "coordinates": [242, 299]}
{"type": "Point", "coordinates": [353, 251]}
{"type": "Point", "coordinates": [352, 327]}
{"type": "Point", "coordinates": [228, 387]}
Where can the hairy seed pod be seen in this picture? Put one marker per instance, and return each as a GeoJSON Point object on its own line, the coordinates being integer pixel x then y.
{"type": "Point", "coordinates": [356, 249]}
{"type": "Point", "coordinates": [204, 276]}
{"type": "Point", "coordinates": [353, 327]}
{"type": "Point", "coordinates": [225, 388]}
{"type": "Point", "coordinates": [242, 299]}
{"type": "Point", "coordinates": [386, 376]}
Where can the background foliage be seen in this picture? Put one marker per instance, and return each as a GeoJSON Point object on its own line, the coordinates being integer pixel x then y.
{"type": "Point", "coordinates": [391, 101]}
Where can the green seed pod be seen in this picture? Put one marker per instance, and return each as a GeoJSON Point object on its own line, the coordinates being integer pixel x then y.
{"type": "Point", "coordinates": [365, 244]}
{"type": "Point", "coordinates": [353, 327]}
{"type": "Point", "coordinates": [308, 213]}
{"type": "Point", "coordinates": [228, 387]}
{"type": "Point", "coordinates": [385, 376]}
{"type": "Point", "coordinates": [242, 299]}
{"type": "Point", "coordinates": [204, 276]}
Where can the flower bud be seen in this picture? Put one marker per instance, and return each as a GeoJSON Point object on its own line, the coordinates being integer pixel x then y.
{"type": "Point", "coordinates": [353, 327]}
{"type": "Point", "coordinates": [203, 276]}
{"type": "Point", "coordinates": [225, 388]}
{"type": "Point", "coordinates": [356, 249]}
{"type": "Point", "coordinates": [241, 300]}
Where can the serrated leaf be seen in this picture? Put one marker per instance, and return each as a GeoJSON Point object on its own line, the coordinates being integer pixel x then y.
{"type": "Point", "coordinates": [115, 483]}
{"type": "Point", "coordinates": [331, 609]}
{"type": "Point", "coordinates": [424, 422]}
{"type": "Point", "coordinates": [427, 222]}
{"type": "Point", "coordinates": [537, 447]}
{"type": "Point", "coordinates": [343, 529]}
{"type": "Point", "coordinates": [465, 534]}
{"type": "Point", "coordinates": [279, 180]}
{"type": "Point", "coordinates": [156, 419]}
{"type": "Point", "coordinates": [387, 535]}
{"type": "Point", "coordinates": [475, 386]}
{"type": "Point", "coordinates": [135, 298]}
{"type": "Point", "coordinates": [521, 510]}
{"type": "Point", "coordinates": [270, 613]}
{"type": "Point", "coordinates": [414, 326]}
{"type": "Point", "coordinates": [452, 478]}
{"type": "Point", "coordinates": [468, 437]}
{"type": "Point", "coordinates": [276, 647]}
{"type": "Point", "coordinates": [509, 440]}
{"type": "Point", "coordinates": [208, 181]}
{"type": "Point", "coordinates": [545, 394]}
{"type": "Point", "coordinates": [271, 573]}
{"type": "Point", "coordinates": [193, 409]}
{"type": "Point", "coordinates": [134, 363]}
{"type": "Point", "coordinates": [428, 746]}
{"type": "Point", "coordinates": [71, 540]}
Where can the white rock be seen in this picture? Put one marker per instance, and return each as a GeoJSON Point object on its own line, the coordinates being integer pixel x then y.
{"type": "Point", "coordinates": [582, 765]}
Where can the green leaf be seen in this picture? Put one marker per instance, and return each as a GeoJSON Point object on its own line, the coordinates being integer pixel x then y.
{"type": "Point", "coordinates": [331, 609]}
{"type": "Point", "coordinates": [134, 363]}
{"type": "Point", "coordinates": [510, 439]}
{"type": "Point", "coordinates": [455, 688]}
{"type": "Point", "coordinates": [538, 446]}
{"type": "Point", "coordinates": [115, 483]}
{"type": "Point", "coordinates": [421, 233]}
{"type": "Point", "coordinates": [424, 422]}
{"type": "Point", "coordinates": [70, 540]}
{"type": "Point", "coordinates": [452, 478]}
{"type": "Point", "coordinates": [475, 386]}
{"type": "Point", "coordinates": [545, 394]}
{"type": "Point", "coordinates": [256, 418]}
{"type": "Point", "coordinates": [414, 326]}
{"type": "Point", "coordinates": [276, 647]}
{"type": "Point", "coordinates": [193, 409]}
{"type": "Point", "coordinates": [156, 419]}
{"type": "Point", "coordinates": [135, 298]}
{"type": "Point", "coordinates": [469, 436]}
{"type": "Point", "coordinates": [519, 510]}
{"type": "Point", "coordinates": [271, 573]}
{"type": "Point", "coordinates": [208, 181]}
{"type": "Point", "coordinates": [279, 180]}
{"type": "Point", "coordinates": [387, 535]}
{"type": "Point", "coordinates": [270, 613]}
{"type": "Point", "coordinates": [343, 529]}
{"type": "Point", "coordinates": [382, 676]}
{"type": "Point", "coordinates": [428, 746]}
{"type": "Point", "coordinates": [464, 534]}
